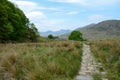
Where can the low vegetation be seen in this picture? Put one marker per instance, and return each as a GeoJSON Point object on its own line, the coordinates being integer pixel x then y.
{"type": "Point", "coordinates": [58, 60]}
{"type": "Point", "coordinates": [107, 52]}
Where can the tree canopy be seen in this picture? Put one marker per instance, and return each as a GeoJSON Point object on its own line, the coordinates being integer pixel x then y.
{"type": "Point", "coordinates": [14, 25]}
{"type": "Point", "coordinates": [75, 35]}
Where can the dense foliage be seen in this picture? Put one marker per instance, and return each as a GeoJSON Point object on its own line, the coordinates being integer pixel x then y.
{"type": "Point", "coordinates": [14, 25]}
{"type": "Point", "coordinates": [76, 35]}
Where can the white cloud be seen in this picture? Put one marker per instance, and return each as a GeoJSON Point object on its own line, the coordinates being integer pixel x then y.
{"type": "Point", "coordinates": [100, 3]}
{"type": "Point", "coordinates": [30, 9]}
{"type": "Point", "coordinates": [36, 14]}
{"type": "Point", "coordinates": [73, 12]}
{"type": "Point", "coordinates": [52, 24]}
{"type": "Point", "coordinates": [96, 16]}
{"type": "Point", "coordinates": [91, 3]}
{"type": "Point", "coordinates": [26, 6]}
{"type": "Point", "coordinates": [82, 2]}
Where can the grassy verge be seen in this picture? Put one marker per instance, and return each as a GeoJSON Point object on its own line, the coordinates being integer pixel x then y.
{"type": "Point", "coordinates": [57, 60]}
{"type": "Point", "coordinates": [108, 53]}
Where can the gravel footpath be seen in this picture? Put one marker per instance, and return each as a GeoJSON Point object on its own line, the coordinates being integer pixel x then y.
{"type": "Point", "coordinates": [88, 65]}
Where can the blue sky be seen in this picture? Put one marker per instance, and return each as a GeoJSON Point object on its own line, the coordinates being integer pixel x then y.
{"type": "Point", "coordinates": [68, 14]}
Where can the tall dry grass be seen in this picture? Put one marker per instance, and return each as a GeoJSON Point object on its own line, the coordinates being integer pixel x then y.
{"type": "Point", "coordinates": [58, 60]}
{"type": "Point", "coordinates": [108, 53]}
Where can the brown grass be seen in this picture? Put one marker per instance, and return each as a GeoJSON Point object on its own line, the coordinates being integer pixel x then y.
{"type": "Point", "coordinates": [58, 60]}
{"type": "Point", "coordinates": [108, 53]}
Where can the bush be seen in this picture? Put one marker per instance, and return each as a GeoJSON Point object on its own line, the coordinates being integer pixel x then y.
{"type": "Point", "coordinates": [76, 35]}
{"type": "Point", "coordinates": [50, 36]}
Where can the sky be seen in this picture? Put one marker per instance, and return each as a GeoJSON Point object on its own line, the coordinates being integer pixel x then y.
{"type": "Point", "coordinates": [68, 14]}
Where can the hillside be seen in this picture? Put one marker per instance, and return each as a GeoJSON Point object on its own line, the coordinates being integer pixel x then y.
{"type": "Point", "coordinates": [102, 30]}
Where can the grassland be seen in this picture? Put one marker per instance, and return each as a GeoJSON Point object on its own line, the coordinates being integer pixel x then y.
{"type": "Point", "coordinates": [107, 52]}
{"type": "Point", "coordinates": [58, 60]}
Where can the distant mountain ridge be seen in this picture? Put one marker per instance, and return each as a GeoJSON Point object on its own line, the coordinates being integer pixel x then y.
{"type": "Point", "coordinates": [101, 30]}
{"type": "Point", "coordinates": [54, 33]}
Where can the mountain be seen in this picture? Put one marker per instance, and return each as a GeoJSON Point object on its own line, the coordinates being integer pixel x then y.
{"type": "Point", "coordinates": [102, 30]}
{"type": "Point", "coordinates": [54, 33]}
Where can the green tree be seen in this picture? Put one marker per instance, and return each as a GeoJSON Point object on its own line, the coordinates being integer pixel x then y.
{"type": "Point", "coordinates": [50, 36]}
{"type": "Point", "coordinates": [5, 26]}
{"type": "Point", "coordinates": [14, 25]}
{"type": "Point", "coordinates": [75, 35]}
{"type": "Point", "coordinates": [33, 32]}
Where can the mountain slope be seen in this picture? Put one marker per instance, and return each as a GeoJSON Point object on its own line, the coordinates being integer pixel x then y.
{"type": "Point", "coordinates": [102, 30]}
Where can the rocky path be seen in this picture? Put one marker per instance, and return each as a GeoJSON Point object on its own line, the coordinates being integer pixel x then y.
{"type": "Point", "coordinates": [88, 65]}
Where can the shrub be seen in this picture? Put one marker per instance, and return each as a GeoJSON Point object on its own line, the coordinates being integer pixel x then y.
{"type": "Point", "coordinates": [50, 36]}
{"type": "Point", "coordinates": [76, 35]}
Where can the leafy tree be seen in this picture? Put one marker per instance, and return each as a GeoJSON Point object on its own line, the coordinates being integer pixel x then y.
{"type": "Point", "coordinates": [5, 26]}
{"type": "Point", "coordinates": [33, 32]}
{"type": "Point", "coordinates": [50, 36]}
{"type": "Point", "coordinates": [76, 35]}
{"type": "Point", "coordinates": [14, 25]}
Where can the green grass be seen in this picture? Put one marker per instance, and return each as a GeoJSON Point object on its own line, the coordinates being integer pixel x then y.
{"type": "Point", "coordinates": [108, 53]}
{"type": "Point", "coordinates": [58, 60]}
